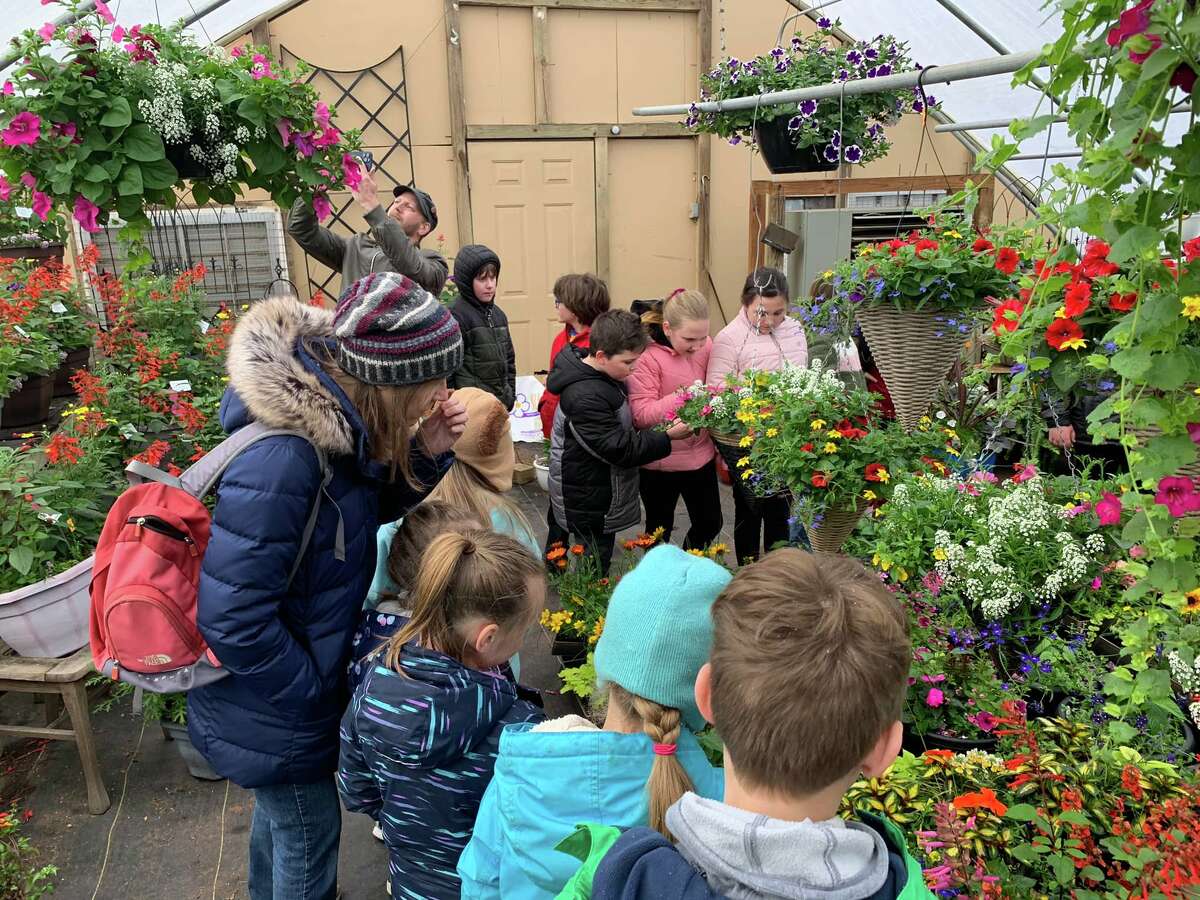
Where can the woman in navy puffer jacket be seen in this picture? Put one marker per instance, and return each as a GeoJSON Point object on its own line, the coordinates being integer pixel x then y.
{"type": "Point", "coordinates": [356, 382]}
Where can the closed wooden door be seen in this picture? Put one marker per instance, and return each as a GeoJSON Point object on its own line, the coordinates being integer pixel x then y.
{"type": "Point", "coordinates": [534, 203]}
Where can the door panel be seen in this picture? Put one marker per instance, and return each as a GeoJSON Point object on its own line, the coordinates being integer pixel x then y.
{"type": "Point", "coordinates": [534, 203]}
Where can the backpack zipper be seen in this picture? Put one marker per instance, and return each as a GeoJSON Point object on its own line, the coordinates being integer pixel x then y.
{"type": "Point", "coordinates": [158, 526]}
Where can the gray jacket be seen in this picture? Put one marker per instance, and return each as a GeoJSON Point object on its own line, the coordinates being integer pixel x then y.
{"type": "Point", "coordinates": [384, 248]}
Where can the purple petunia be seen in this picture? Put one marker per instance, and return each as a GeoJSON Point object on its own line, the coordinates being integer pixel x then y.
{"type": "Point", "coordinates": [875, 130]}
{"type": "Point", "coordinates": [831, 153]}
{"type": "Point", "coordinates": [885, 69]}
{"type": "Point", "coordinates": [777, 52]}
{"type": "Point", "coordinates": [836, 139]}
{"type": "Point", "coordinates": [854, 58]}
{"type": "Point", "coordinates": [735, 140]}
{"type": "Point", "coordinates": [783, 65]}
{"type": "Point", "coordinates": [853, 153]}
{"type": "Point", "coordinates": [824, 23]}
{"type": "Point", "coordinates": [871, 53]}
{"type": "Point", "coordinates": [872, 72]}
{"type": "Point", "coordinates": [843, 75]}
{"type": "Point", "coordinates": [807, 107]}
{"type": "Point", "coordinates": [734, 64]}
{"type": "Point", "coordinates": [795, 122]}
{"type": "Point", "coordinates": [918, 106]}
{"type": "Point", "coordinates": [931, 101]}
{"type": "Point", "coordinates": [797, 43]}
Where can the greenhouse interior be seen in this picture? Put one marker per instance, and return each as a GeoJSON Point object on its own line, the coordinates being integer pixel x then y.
{"type": "Point", "coordinates": [357, 356]}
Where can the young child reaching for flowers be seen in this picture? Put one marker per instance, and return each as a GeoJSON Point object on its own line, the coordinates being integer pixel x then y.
{"type": "Point", "coordinates": [552, 776]}
{"type": "Point", "coordinates": [421, 734]}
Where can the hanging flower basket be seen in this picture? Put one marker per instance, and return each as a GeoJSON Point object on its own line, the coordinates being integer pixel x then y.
{"type": "Point", "coordinates": [836, 525]}
{"type": "Point", "coordinates": [914, 350]}
{"type": "Point", "coordinates": [179, 155]}
{"type": "Point", "coordinates": [31, 404]}
{"type": "Point", "coordinates": [49, 618]}
{"type": "Point", "coordinates": [75, 360]}
{"type": "Point", "coordinates": [813, 135]}
{"type": "Point", "coordinates": [782, 156]}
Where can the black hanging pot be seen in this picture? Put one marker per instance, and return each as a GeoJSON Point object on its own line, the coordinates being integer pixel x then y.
{"type": "Point", "coordinates": [782, 156]}
{"type": "Point", "coordinates": [75, 360]}
{"type": "Point", "coordinates": [180, 156]}
{"type": "Point", "coordinates": [917, 744]}
{"type": "Point", "coordinates": [30, 405]}
{"type": "Point", "coordinates": [572, 653]}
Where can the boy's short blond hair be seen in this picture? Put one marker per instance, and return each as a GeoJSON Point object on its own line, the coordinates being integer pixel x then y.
{"type": "Point", "coordinates": [810, 662]}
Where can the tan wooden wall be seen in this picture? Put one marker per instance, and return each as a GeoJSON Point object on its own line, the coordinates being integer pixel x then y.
{"type": "Point", "coordinates": [533, 167]}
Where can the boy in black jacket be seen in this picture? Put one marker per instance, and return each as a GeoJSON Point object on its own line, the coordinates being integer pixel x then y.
{"type": "Point", "coordinates": [595, 451]}
{"type": "Point", "coordinates": [489, 359]}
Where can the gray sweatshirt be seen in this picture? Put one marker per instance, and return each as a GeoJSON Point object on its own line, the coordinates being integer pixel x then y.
{"type": "Point", "coordinates": [383, 248]}
{"type": "Point", "coordinates": [744, 855]}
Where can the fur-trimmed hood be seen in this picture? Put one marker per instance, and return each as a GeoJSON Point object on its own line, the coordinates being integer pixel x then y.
{"type": "Point", "coordinates": [279, 384]}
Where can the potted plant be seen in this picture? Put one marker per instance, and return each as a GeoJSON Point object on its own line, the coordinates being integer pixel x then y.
{"type": "Point", "coordinates": [917, 298]}
{"type": "Point", "coordinates": [813, 135]}
{"type": "Point", "coordinates": [103, 118]}
{"type": "Point", "coordinates": [583, 595]}
{"type": "Point", "coordinates": [541, 466]}
{"type": "Point", "coordinates": [26, 235]}
{"type": "Point", "coordinates": [170, 712]}
{"type": "Point", "coordinates": [720, 410]}
{"type": "Point", "coordinates": [829, 446]}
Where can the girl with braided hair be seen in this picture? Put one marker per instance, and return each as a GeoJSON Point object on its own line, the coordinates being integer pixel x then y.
{"type": "Point", "coordinates": [553, 776]}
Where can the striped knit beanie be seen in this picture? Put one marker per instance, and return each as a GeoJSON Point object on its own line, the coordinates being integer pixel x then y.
{"type": "Point", "coordinates": [390, 330]}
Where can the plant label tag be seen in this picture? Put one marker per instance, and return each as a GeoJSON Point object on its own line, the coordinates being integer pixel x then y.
{"type": "Point", "coordinates": [51, 518]}
{"type": "Point", "coordinates": [129, 432]}
{"type": "Point", "coordinates": [57, 307]}
{"type": "Point", "coordinates": [182, 386]}
{"type": "Point", "coordinates": [21, 331]}
{"type": "Point", "coordinates": [204, 326]}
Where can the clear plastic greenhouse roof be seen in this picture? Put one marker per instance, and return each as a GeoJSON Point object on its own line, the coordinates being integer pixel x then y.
{"type": "Point", "coordinates": [937, 37]}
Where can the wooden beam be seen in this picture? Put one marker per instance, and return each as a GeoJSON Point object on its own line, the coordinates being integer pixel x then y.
{"type": "Point", "coordinates": [541, 59]}
{"type": "Point", "coordinates": [775, 206]}
{"type": "Point", "coordinates": [635, 5]}
{"type": "Point", "coordinates": [986, 210]}
{"type": "Point", "coordinates": [758, 220]}
{"type": "Point", "coordinates": [603, 243]}
{"type": "Point", "coordinates": [582, 131]}
{"type": "Point", "coordinates": [458, 122]}
{"type": "Point", "coordinates": [260, 34]}
{"type": "Point", "coordinates": [704, 171]}
{"type": "Point", "coordinates": [821, 187]}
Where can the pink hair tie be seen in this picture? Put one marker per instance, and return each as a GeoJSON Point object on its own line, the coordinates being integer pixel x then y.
{"type": "Point", "coordinates": [676, 293]}
{"type": "Point", "coordinates": [665, 749]}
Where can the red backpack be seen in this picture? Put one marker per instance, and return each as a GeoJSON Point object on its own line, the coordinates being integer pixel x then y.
{"type": "Point", "coordinates": [146, 574]}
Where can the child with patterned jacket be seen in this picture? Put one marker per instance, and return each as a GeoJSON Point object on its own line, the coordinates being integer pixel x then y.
{"type": "Point", "coordinates": [805, 685]}
{"type": "Point", "coordinates": [552, 776]}
{"type": "Point", "coordinates": [420, 737]}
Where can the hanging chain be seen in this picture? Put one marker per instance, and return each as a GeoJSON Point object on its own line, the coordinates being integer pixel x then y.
{"type": "Point", "coordinates": [721, 17]}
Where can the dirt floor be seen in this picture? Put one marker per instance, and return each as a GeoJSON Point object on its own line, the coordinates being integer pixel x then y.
{"type": "Point", "coordinates": [168, 835]}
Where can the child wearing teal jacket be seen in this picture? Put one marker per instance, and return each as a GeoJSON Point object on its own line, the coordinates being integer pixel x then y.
{"type": "Point", "coordinates": [553, 776]}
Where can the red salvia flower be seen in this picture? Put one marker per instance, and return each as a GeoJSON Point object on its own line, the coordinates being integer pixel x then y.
{"type": "Point", "coordinates": [63, 448]}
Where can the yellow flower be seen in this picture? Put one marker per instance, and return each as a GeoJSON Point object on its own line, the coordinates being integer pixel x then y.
{"type": "Point", "coordinates": [902, 574]}
{"type": "Point", "coordinates": [746, 475]}
{"type": "Point", "coordinates": [1192, 605]}
{"type": "Point", "coordinates": [245, 306]}
{"type": "Point", "coordinates": [596, 631]}
{"type": "Point", "coordinates": [833, 434]}
{"type": "Point", "coordinates": [26, 434]}
{"type": "Point", "coordinates": [1191, 307]}
{"type": "Point", "coordinates": [952, 233]}
{"type": "Point", "coordinates": [816, 424]}
{"type": "Point", "coordinates": [828, 273]}
{"type": "Point", "coordinates": [70, 524]}
{"type": "Point", "coordinates": [746, 402]}
{"type": "Point", "coordinates": [1060, 313]}
{"type": "Point", "coordinates": [878, 511]}
{"type": "Point", "coordinates": [222, 315]}
{"type": "Point", "coordinates": [831, 447]}
{"type": "Point", "coordinates": [869, 495]}
{"type": "Point", "coordinates": [1080, 343]}
{"type": "Point", "coordinates": [746, 442]}
{"type": "Point", "coordinates": [717, 550]}
{"type": "Point", "coordinates": [743, 462]}
{"type": "Point", "coordinates": [699, 553]}
{"type": "Point", "coordinates": [1082, 496]}
{"type": "Point", "coordinates": [939, 554]}
{"type": "Point", "coordinates": [882, 564]}
{"type": "Point", "coordinates": [772, 432]}
{"type": "Point", "coordinates": [951, 433]}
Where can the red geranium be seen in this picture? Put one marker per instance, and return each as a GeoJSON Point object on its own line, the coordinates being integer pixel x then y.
{"type": "Point", "coordinates": [1095, 261]}
{"type": "Point", "coordinates": [819, 480]}
{"type": "Point", "coordinates": [876, 472]}
{"type": "Point", "coordinates": [1064, 334]}
{"type": "Point", "coordinates": [1006, 315]}
{"type": "Point", "coordinates": [1078, 299]}
{"type": "Point", "coordinates": [847, 430]}
{"type": "Point", "coordinates": [1191, 249]}
{"type": "Point", "coordinates": [925, 244]}
{"type": "Point", "coordinates": [1007, 260]}
{"type": "Point", "coordinates": [1122, 302]}
{"type": "Point", "coordinates": [982, 245]}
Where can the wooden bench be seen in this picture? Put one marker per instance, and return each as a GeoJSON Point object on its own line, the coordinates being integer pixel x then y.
{"type": "Point", "coordinates": [62, 680]}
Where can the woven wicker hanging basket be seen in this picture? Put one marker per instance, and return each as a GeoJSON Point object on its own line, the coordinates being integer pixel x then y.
{"type": "Point", "coordinates": [914, 354]}
{"type": "Point", "coordinates": [728, 439]}
{"type": "Point", "coordinates": [837, 524]}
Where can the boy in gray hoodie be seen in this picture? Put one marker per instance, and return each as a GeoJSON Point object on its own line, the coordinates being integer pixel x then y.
{"type": "Point", "coordinates": [805, 684]}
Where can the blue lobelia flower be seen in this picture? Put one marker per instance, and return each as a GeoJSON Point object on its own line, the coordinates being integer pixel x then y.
{"type": "Point", "coordinates": [1107, 386]}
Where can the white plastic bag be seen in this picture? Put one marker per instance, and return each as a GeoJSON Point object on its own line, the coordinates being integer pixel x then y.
{"type": "Point", "coordinates": [524, 421]}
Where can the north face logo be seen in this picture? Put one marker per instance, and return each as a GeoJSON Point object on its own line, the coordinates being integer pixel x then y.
{"type": "Point", "coordinates": [156, 659]}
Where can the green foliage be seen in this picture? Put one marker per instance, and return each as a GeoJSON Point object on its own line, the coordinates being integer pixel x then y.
{"type": "Point", "coordinates": [580, 680]}
{"type": "Point", "coordinates": [20, 876]}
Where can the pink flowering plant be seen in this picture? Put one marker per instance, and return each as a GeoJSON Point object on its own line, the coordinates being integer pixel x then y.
{"type": "Point", "coordinates": [852, 131]}
{"type": "Point", "coordinates": [720, 409]}
{"type": "Point", "coordinates": [100, 117]}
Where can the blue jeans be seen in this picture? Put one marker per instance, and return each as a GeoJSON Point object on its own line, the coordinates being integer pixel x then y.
{"type": "Point", "coordinates": [294, 837]}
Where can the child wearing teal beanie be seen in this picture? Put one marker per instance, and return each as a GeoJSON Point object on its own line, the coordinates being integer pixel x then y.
{"type": "Point", "coordinates": [553, 776]}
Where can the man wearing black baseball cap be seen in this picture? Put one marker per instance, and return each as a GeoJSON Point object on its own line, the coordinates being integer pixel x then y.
{"type": "Point", "coordinates": [392, 242]}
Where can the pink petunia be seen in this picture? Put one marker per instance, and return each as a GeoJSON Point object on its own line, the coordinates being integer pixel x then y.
{"type": "Point", "coordinates": [1178, 495]}
{"type": "Point", "coordinates": [85, 214]}
{"type": "Point", "coordinates": [351, 172]}
{"type": "Point", "coordinates": [327, 138]}
{"type": "Point", "coordinates": [46, 32]}
{"type": "Point", "coordinates": [237, 51]}
{"type": "Point", "coordinates": [105, 12]}
{"type": "Point", "coordinates": [1155, 43]}
{"type": "Point", "coordinates": [5, 188]}
{"type": "Point", "coordinates": [284, 127]}
{"type": "Point", "coordinates": [1097, 583]}
{"type": "Point", "coordinates": [984, 721]}
{"type": "Point", "coordinates": [261, 68]}
{"type": "Point", "coordinates": [65, 129]}
{"type": "Point", "coordinates": [303, 143]}
{"type": "Point", "coordinates": [321, 114]}
{"type": "Point", "coordinates": [934, 697]}
{"type": "Point", "coordinates": [8, 89]}
{"type": "Point", "coordinates": [41, 205]}
{"type": "Point", "coordinates": [1193, 430]}
{"type": "Point", "coordinates": [25, 128]}
{"type": "Point", "coordinates": [118, 34]}
{"type": "Point", "coordinates": [1134, 20]}
{"type": "Point", "coordinates": [1108, 509]}
{"type": "Point", "coordinates": [28, 180]}
{"type": "Point", "coordinates": [322, 207]}
{"type": "Point", "coordinates": [1024, 473]}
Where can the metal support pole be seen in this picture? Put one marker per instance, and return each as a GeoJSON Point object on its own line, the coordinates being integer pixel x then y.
{"type": "Point", "coordinates": [951, 127]}
{"type": "Point", "coordinates": [1065, 154]}
{"type": "Point", "coordinates": [964, 71]}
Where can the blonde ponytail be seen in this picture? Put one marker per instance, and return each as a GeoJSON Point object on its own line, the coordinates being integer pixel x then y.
{"type": "Point", "coordinates": [473, 573]}
{"type": "Point", "coordinates": [668, 780]}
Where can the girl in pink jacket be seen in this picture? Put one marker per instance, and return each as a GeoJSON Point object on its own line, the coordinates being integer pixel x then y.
{"type": "Point", "coordinates": [678, 356]}
{"type": "Point", "coordinates": [763, 338]}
